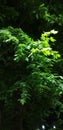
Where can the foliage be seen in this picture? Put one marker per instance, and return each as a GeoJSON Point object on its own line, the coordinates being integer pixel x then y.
{"type": "Point", "coordinates": [27, 81]}
{"type": "Point", "coordinates": [31, 82]}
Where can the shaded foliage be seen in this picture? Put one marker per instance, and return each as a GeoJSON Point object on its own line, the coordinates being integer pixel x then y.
{"type": "Point", "coordinates": [28, 87]}
{"type": "Point", "coordinates": [25, 63]}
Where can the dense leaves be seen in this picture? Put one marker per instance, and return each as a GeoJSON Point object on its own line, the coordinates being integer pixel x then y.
{"type": "Point", "coordinates": [31, 82]}
{"type": "Point", "coordinates": [28, 85]}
